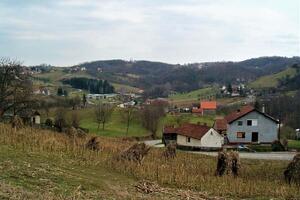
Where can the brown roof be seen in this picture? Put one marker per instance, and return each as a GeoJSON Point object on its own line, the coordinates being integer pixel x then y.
{"type": "Point", "coordinates": [169, 129]}
{"type": "Point", "coordinates": [244, 111]}
{"type": "Point", "coordinates": [220, 125]}
{"type": "Point", "coordinates": [239, 113]}
{"type": "Point", "coordinates": [189, 130]}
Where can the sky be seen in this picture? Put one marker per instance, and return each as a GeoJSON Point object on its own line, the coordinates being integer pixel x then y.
{"type": "Point", "coordinates": [68, 32]}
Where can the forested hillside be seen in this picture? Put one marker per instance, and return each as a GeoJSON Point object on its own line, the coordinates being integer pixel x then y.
{"type": "Point", "coordinates": [92, 85]}
{"type": "Point", "coordinates": [149, 75]}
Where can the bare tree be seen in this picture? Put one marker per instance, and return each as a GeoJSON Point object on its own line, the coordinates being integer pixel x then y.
{"type": "Point", "coordinates": [74, 102]}
{"type": "Point", "coordinates": [60, 119]}
{"type": "Point", "coordinates": [103, 113]}
{"type": "Point", "coordinates": [75, 119]}
{"type": "Point", "coordinates": [151, 116]}
{"type": "Point", "coordinates": [15, 87]}
{"type": "Point", "coordinates": [84, 100]}
{"type": "Point", "coordinates": [128, 114]}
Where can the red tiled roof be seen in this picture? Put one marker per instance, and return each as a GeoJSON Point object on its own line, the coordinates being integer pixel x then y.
{"type": "Point", "coordinates": [208, 105]}
{"type": "Point", "coordinates": [189, 130]}
{"type": "Point", "coordinates": [220, 125]}
{"type": "Point", "coordinates": [239, 113]}
{"type": "Point", "coordinates": [169, 129]}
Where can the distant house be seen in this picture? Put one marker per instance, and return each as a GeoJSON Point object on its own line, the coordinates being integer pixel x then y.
{"type": "Point", "coordinates": [43, 91]}
{"type": "Point", "coordinates": [159, 102]}
{"type": "Point", "coordinates": [193, 136]}
{"type": "Point", "coordinates": [249, 125]}
{"type": "Point", "coordinates": [101, 96]}
{"type": "Point", "coordinates": [35, 118]}
{"type": "Point", "coordinates": [206, 107]}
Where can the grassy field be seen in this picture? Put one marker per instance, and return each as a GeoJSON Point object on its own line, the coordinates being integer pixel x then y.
{"type": "Point", "coordinates": [37, 163]}
{"type": "Point", "coordinates": [119, 87]}
{"type": "Point", "coordinates": [117, 126]}
{"type": "Point", "coordinates": [294, 144]}
{"type": "Point", "coordinates": [270, 81]}
{"type": "Point", "coordinates": [193, 96]}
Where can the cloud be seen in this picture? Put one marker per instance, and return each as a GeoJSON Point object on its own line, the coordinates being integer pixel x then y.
{"type": "Point", "coordinates": [173, 31]}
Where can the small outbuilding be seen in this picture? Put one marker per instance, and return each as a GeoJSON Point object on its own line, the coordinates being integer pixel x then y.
{"type": "Point", "coordinates": [193, 136]}
{"type": "Point", "coordinates": [35, 118]}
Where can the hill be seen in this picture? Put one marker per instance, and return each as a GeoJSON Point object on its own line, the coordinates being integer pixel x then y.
{"type": "Point", "coordinates": [184, 78]}
{"type": "Point", "coordinates": [159, 79]}
{"type": "Point", "coordinates": [273, 80]}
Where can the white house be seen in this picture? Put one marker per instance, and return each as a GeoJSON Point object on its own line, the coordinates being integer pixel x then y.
{"type": "Point", "coordinates": [193, 136]}
{"type": "Point", "coordinates": [35, 118]}
{"type": "Point", "coordinates": [249, 125]}
{"type": "Point", "coordinates": [101, 96]}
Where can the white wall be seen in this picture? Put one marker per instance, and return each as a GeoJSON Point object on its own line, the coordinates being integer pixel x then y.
{"type": "Point", "coordinates": [211, 139]}
{"type": "Point", "coordinates": [37, 119]}
{"type": "Point", "coordinates": [182, 140]}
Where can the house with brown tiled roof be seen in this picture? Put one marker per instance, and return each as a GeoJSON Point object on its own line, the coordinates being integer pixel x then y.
{"type": "Point", "coordinates": [206, 107]}
{"type": "Point", "coordinates": [193, 136]}
{"type": "Point", "coordinates": [248, 125]}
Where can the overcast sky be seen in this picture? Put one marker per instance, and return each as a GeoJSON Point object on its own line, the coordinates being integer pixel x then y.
{"type": "Point", "coordinates": [67, 32]}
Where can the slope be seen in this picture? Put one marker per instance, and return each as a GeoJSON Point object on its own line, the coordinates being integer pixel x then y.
{"type": "Point", "coordinates": [272, 81]}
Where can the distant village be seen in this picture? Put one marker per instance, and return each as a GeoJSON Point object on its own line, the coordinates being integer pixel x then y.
{"type": "Point", "coordinates": [246, 125]}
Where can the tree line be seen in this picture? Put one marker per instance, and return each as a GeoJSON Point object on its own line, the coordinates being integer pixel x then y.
{"type": "Point", "coordinates": [94, 86]}
{"type": "Point", "coordinates": [284, 107]}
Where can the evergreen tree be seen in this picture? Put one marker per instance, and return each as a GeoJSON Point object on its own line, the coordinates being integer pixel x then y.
{"type": "Point", "coordinates": [59, 91]}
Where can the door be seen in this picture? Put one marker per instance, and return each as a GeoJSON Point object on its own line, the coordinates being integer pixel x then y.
{"type": "Point", "coordinates": [254, 136]}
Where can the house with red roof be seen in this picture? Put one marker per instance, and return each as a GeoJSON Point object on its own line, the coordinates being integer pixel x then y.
{"type": "Point", "coordinates": [248, 125]}
{"type": "Point", "coordinates": [193, 136]}
{"type": "Point", "coordinates": [206, 107]}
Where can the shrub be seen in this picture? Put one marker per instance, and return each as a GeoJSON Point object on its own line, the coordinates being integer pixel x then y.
{"type": "Point", "coordinates": [49, 122]}
{"type": "Point", "coordinates": [17, 122]}
{"type": "Point", "coordinates": [277, 146]}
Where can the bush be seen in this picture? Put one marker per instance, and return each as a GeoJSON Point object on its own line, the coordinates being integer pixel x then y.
{"type": "Point", "coordinates": [287, 133]}
{"type": "Point", "coordinates": [49, 122]}
{"type": "Point", "coordinates": [17, 122]}
{"type": "Point", "coordinates": [277, 146]}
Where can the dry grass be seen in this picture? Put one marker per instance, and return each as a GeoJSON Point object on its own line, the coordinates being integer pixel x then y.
{"type": "Point", "coordinates": [257, 179]}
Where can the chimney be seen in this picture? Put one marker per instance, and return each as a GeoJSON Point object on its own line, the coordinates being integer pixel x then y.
{"type": "Point", "coordinates": [238, 110]}
{"type": "Point", "coordinates": [263, 109]}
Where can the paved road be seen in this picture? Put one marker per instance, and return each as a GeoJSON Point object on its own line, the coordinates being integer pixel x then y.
{"type": "Point", "coordinates": [260, 156]}
{"type": "Point", "coordinates": [257, 155]}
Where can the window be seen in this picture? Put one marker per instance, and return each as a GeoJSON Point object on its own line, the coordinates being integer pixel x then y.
{"type": "Point", "coordinates": [252, 122]}
{"type": "Point", "coordinates": [188, 139]}
{"type": "Point", "coordinates": [240, 134]}
{"type": "Point", "coordinates": [240, 123]}
{"type": "Point", "coordinates": [249, 122]}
